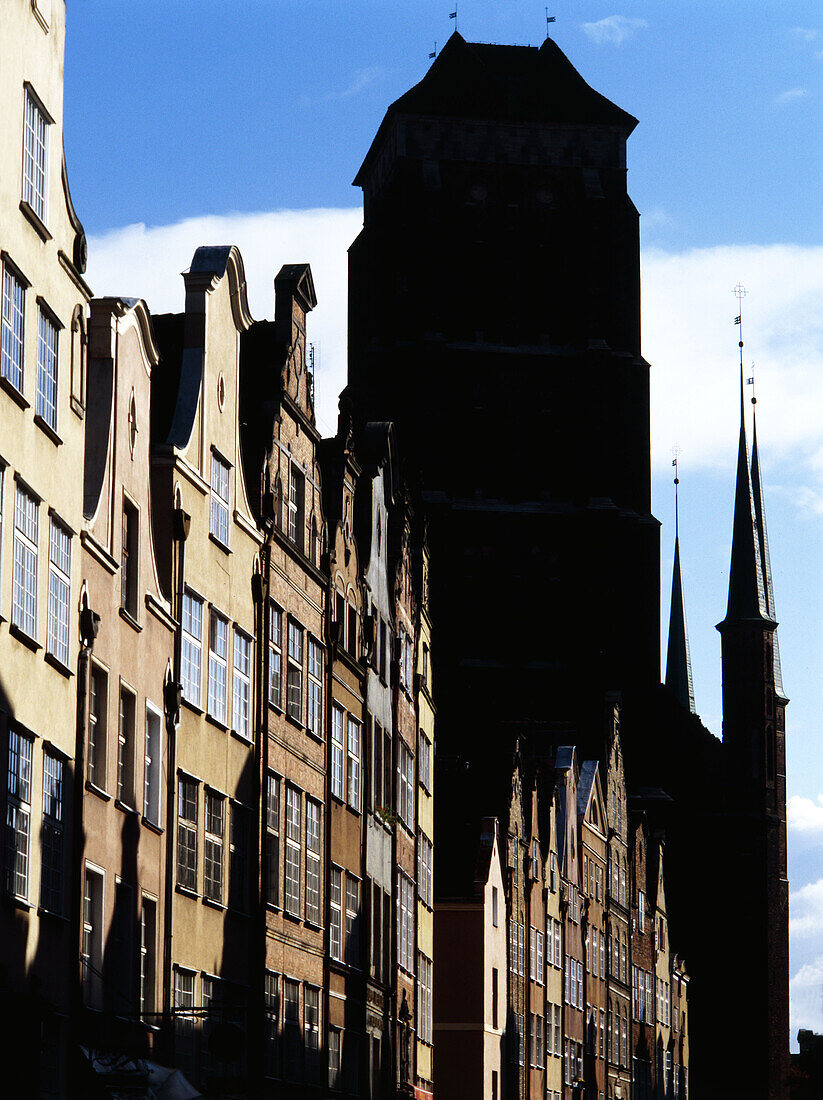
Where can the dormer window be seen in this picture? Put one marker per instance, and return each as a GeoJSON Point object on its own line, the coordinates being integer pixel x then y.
{"type": "Point", "coordinates": [219, 521]}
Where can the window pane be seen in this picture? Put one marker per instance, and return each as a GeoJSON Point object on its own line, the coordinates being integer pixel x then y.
{"type": "Point", "coordinates": [46, 398]}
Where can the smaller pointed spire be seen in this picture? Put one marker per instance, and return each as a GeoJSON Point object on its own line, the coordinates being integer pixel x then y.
{"type": "Point", "coordinates": [678, 659]}
{"type": "Point", "coordinates": [763, 543]}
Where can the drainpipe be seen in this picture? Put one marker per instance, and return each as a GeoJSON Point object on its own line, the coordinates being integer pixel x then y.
{"type": "Point", "coordinates": [172, 696]}
{"type": "Point", "coordinates": [255, 1030]}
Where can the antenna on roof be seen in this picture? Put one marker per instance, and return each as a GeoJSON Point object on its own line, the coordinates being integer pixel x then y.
{"type": "Point", "coordinates": [453, 15]}
{"type": "Point", "coordinates": [433, 54]}
{"type": "Point", "coordinates": [549, 19]}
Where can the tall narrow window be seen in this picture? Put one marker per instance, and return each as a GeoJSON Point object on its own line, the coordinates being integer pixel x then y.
{"type": "Point", "coordinates": [11, 342]}
{"type": "Point", "coordinates": [57, 635]}
{"type": "Point", "coordinates": [241, 685]}
{"type": "Point", "coordinates": [353, 790]}
{"type": "Point", "coordinates": [424, 1004]}
{"type": "Point", "coordinates": [405, 783]}
{"type": "Point", "coordinates": [293, 852]}
{"type": "Point", "coordinates": [271, 1056]}
{"type": "Point", "coordinates": [213, 848]}
{"type": "Point", "coordinates": [291, 1030]}
{"type": "Point", "coordinates": [336, 913]}
{"type": "Point", "coordinates": [46, 398]}
{"type": "Point", "coordinates": [192, 647]}
{"type": "Point", "coordinates": [152, 775]}
{"type": "Point", "coordinates": [335, 1075]}
{"type": "Point", "coordinates": [384, 647]}
{"type": "Point", "coordinates": [352, 921]}
{"type": "Point", "coordinates": [376, 766]}
{"type": "Point", "coordinates": [148, 958]}
{"type": "Point", "coordinates": [388, 771]}
{"type": "Point", "coordinates": [51, 841]}
{"type": "Point", "coordinates": [119, 962]}
{"type": "Point", "coordinates": [125, 748]}
{"type": "Point", "coordinates": [35, 156]}
{"type": "Point", "coordinates": [26, 537]}
{"type": "Point", "coordinates": [92, 950]}
{"type": "Point", "coordinates": [314, 701]}
{"type": "Point", "coordinates": [311, 1029]}
{"type": "Point", "coordinates": [312, 861]}
{"type": "Point", "coordinates": [297, 489]}
{"type": "Point", "coordinates": [184, 1019]}
{"type": "Point", "coordinates": [219, 516]}
{"type": "Point", "coordinates": [425, 762]}
{"type": "Point", "coordinates": [338, 716]}
{"type": "Point", "coordinates": [273, 839]}
{"type": "Point", "coordinates": [239, 858]}
{"type": "Point", "coordinates": [294, 686]}
{"type": "Point", "coordinates": [405, 922]}
{"type": "Point", "coordinates": [218, 665]}
{"type": "Point", "coordinates": [353, 631]}
{"type": "Point", "coordinates": [425, 854]}
{"type": "Point", "coordinates": [275, 655]}
{"type": "Point", "coordinates": [376, 944]}
{"type": "Point", "coordinates": [98, 705]}
{"type": "Point", "coordinates": [129, 558]}
{"type": "Point", "coordinates": [187, 833]}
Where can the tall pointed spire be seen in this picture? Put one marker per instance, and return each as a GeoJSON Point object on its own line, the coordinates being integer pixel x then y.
{"type": "Point", "coordinates": [763, 545]}
{"type": "Point", "coordinates": [747, 595]}
{"type": "Point", "coordinates": [678, 660]}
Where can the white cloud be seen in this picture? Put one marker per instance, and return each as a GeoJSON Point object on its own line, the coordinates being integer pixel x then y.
{"type": "Point", "coordinates": [362, 79]}
{"type": "Point", "coordinates": [804, 815]}
{"type": "Point", "coordinates": [145, 262]}
{"type": "Point", "coordinates": [613, 30]}
{"type": "Point", "coordinates": [807, 34]}
{"type": "Point", "coordinates": [790, 95]}
{"type": "Point", "coordinates": [691, 342]}
{"type": "Point", "coordinates": [806, 994]}
{"type": "Point", "coordinates": [806, 910]}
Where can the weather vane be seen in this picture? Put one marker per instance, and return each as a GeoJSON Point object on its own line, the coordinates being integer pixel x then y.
{"type": "Point", "coordinates": [740, 293]}
{"type": "Point", "coordinates": [453, 15]}
{"type": "Point", "coordinates": [676, 452]}
{"type": "Point", "coordinates": [549, 19]}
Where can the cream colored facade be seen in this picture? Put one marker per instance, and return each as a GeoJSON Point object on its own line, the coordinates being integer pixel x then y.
{"type": "Point", "coordinates": [425, 834]}
{"type": "Point", "coordinates": [43, 300]}
{"type": "Point", "coordinates": [198, 471]}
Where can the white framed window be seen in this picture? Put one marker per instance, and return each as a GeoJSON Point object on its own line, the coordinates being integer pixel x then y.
{"type": "Point", "coordinates": [218, 665]}
{"type": "Point", "coordinates": [219, 514]}
{"type": "Point", "coordinates": [26, 539]}
{"type": "Point", "coordinates": [336, 913]}
{"type": "Point", "coordinates": [314, 700]}
{"type": "Point", "coordinates": [425, 853]}
{"type": "Point", "coordinates": [296, 510]}
{"type": "Point", "coordinates": [354, 748]}
{"type": "Point", "coordinates": [91, 956]}
{"type": "Point", "coordinates": [13, 328]}
{"type": "Point", "coordinates": [405, 922]}
{"type": "Point", "coordinates": [57, 633]}
{"type": "Point", "coordinates": [352, 920]}
{"type": "Point", "coordinates": [405, 782]}
{"type": "Point", "coordinates": [641, 910]}
{"type": "Point", "coordinates": [187, 833]}
{"type": "Point", "coordinates": [241, 685]}
{"type": "Point", "coordinates": [213, 846]}
{"type": "Point", "coordinates": [557, 1030]}
{"type": "Point", "coordinates": [557, 945]}
{"type": "Point", "coordinates": [18, 814]}
{"type": "Point", "coordinates": [425, 762]}
{"type": "Point", "coordinates": [424, 998]}
{"type": "Point", "coordinates": [46, 396]}
{"type": "Point", "coordinates": [275, 655]}
{"type": "Point", "coordinates": [184, 1018]}
{"type": "Point", "coordinates": [338, 716]}
{"type": "Point", "coordinates": [153, 765]}
{"type": "Point", "coordinates": [553, 872]}
{"type": "Point", "coordinates": [192, 647]}
{"type": "Point", "coordinates": [51, 838]}
{"type": "Point", "coordinates": [335, 1075]}
{"type": "Point", "coordinates": [98, 726]}
{"type": "Point", "coordinates": [272, 839]}
{"type": "Point", "coordinates": [125, 747]}
{"type": "Point", "coordinates": [271, 1054]}
{"type": "Point", "coordinates": [35, 155]}
{"type": "Point", "coordinates": [311, 1030]}
{"type": "Point", "coordinates": [294, 672]}
{"type": "Point", "coordinates": [291, 899]}
{"type": "Point", "coordinates": [312, 861]}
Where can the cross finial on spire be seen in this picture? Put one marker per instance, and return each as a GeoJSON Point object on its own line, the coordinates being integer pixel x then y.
{"type": "Point", "coordinates": [676, 452]}
{"type": "Point", "coordinates": [740, 293]}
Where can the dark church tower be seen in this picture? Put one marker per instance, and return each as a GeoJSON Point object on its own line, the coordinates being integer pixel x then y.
{"type": "Point", "coordinates": [754, 749]}
{"type": "Point", "coordinates": [495, 317]}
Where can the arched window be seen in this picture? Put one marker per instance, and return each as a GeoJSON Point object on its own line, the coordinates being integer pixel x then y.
{"type": "Point", "coordinates": [78, 360]}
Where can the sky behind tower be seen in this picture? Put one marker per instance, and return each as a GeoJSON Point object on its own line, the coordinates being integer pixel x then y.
{"type": "Point", "coordinates": [187, 125]}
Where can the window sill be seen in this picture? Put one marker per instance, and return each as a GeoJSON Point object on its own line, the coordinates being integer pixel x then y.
{"type": "Point", "coordinates": [293, 917]}
{"type": "Point", "coordinates": [186, 892]}
{"type": "Point", "coordinates": [14, 393]}
{"type": "Point", "coordinates": [217, 722]}
{"type": "Point", "coordinates": [151, 826]}
{"type": "Point", "coordinates": [127, 617]}
{"type": "Point", "coordinates": [219, 543]}
{"type": "Point", "coordinates": [22, 636]}
{"type": "Point", "coordinates": [242, 738]}
{"type": "Point", "coordinates": [275, 707]}
{"type": "Point", "coordinates": [98, 791]}
{"type": "Point", "coordinates": [218, 905]}
{"type": "Point", "coordinates": [36, 221]}
{"type": "Point", "coordinates": [191, 706]}
{"type": "Point", "coordinates": [272, 907]}
{"type": "Point", "coordinates": [295, 721]}
{"type": "Point", "coordinates": [18, 903]}
{"type": "Point", "coordinates": [47, 429]}
{"type": "Point", "coordinates": [55, 662]}
{"type": "Point", "coordinates": [77, 406]}
{"type": "Point", "coordinates": [124, 807]}
{"type": "Point", "coordinates": [51, 915]}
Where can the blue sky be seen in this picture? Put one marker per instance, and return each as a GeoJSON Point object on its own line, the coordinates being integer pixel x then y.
{"type": "Point", "coordinates": [185, 125]}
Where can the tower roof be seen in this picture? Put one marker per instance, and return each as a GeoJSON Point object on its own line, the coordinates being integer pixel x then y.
{"type": "Point", "coordinates": [678, 659]}
{"type": "Point", "coordinates": [763, 546]}
{"type": "Point", "coordinates": [747, 586]}
{"type": "Point", "coordinates": [476, 80]}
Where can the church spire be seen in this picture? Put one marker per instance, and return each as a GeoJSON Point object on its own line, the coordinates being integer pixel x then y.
{"type": "Point", "coordinates": [763, 546]}
{"type": "Point", "coordinates": [678, 660]}
{"type": "Point", "coordinates": [747, 592]}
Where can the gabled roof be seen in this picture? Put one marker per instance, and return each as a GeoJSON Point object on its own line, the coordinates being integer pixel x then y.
{"type": "Point", "coordinates": [477, 80]}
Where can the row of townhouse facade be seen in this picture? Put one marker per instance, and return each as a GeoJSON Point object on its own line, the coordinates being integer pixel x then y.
{"type": "Point", "coordinates": [216, 707]}
{"type": "Point", "coordinates": [585, 997]}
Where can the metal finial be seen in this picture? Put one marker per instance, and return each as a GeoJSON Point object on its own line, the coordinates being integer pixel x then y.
{"type": "Point", "coordinates": [549, 19]}
{"type": "Point", "coordinates": [676, 452]}
{"type": "Point", "coordinates": [433, 54]}
{"type": "Point", "coordinates": [453, 15]}
{"type": "Point", "coordinates": [750, 382]}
